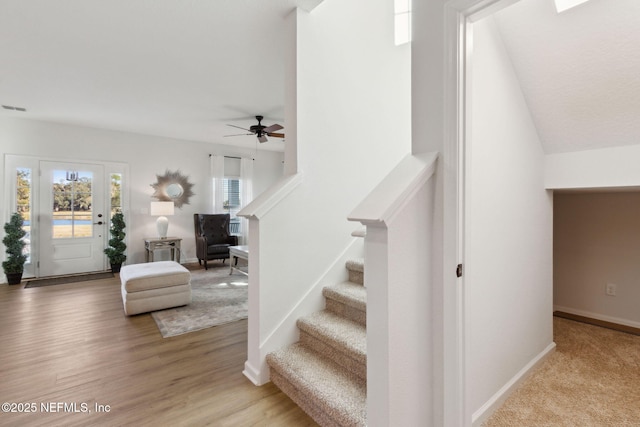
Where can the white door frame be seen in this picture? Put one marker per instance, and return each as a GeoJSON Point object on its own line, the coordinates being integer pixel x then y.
{"type": "Point", "coordinates": [14, 161]}
{"type": "Point", "coordinates": [458, 41]}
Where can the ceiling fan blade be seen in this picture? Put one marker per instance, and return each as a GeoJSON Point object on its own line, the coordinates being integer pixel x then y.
{"type": "Point", "coordinates": [234, 126]}
{"type": "Point", "coordinates": [238, 134]}
{"type": "Point", "coordinates": [272, 128]}
{"type": "Point", "coordinates": [276, 135]}
{"type": "Point", "coordinates": [262, 138]}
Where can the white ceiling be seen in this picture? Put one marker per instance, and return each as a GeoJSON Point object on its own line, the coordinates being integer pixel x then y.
{"type": "Point", "coordinates": [174, 68]}
{"type": "Point", "coordinates": [579, 70]}
{"type": "Point", "coordinates": [186, 68]}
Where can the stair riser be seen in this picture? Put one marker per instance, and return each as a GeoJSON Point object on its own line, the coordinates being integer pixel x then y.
{"type": "Point", "coordinates": [356, 277]}
{"type": "Point", "coordinates": [325, 373]}
{"type": "Point", "coordinates": [349, 362]}
{"type": "Point", "coordinates": [346, 311]}
{"type": "Point", "coordinates": [307, 405]}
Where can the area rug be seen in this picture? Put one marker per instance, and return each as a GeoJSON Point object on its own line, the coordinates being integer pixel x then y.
{"type": "Point", "coordinates": [67, 279]}
{"type": "Point", "coordinates": [216, 298]}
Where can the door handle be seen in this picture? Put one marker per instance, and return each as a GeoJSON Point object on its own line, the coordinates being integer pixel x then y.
{"type": "Point", "coordinates": [98, 223]}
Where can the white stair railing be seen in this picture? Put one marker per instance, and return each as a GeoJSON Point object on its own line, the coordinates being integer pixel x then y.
{"type": "Point", "coordinates": [398, 215]}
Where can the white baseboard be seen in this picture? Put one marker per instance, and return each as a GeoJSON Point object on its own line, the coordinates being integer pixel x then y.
{"type": "Point", "coordinates": [253, 374]}
{"type": "Point", "coordinates": [486, 410]}
{"type": "Point", "coordinates": [597, 316]}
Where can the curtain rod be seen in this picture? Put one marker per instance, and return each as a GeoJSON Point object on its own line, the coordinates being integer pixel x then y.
{"type": "Point", "coordinates": [234, 157]}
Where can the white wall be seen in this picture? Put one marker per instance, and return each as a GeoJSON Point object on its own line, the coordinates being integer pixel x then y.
{"type": "Point", "coordinates": [602, 168]}
{"type": "Point", "coordinates": [508, 261]}
{"type": "Point", "coordinates": [146, 157]}
{"type": "Point", "coordinates": [352, 101]}
{"type": "Point", "coordinates": [597, 241]}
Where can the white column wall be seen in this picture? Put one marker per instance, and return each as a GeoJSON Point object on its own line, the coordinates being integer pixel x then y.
{"type": "Point", "coordinates": [508, 257]}
{"type": "Point", "coordinates": [353, 114]}
{"type": "Point", "coordinates": [353, 126]}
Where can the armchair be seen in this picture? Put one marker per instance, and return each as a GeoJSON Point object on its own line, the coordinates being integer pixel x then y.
{"type": "Point", "coordinates": [213, 237]}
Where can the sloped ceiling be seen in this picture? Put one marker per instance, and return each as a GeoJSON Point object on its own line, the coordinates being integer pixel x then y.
{"type": "Point", "coordinates": [184, 69]}
{"type": "Point", "coordinates": [579, 70]}
{"type": "Point", "coordinates": [181, 69]}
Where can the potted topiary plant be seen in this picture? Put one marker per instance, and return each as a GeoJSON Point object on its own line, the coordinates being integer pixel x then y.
{"type": "Point", "coordinates": [13, 266]}
{"type": "Point", "coordinates": [115, 251]}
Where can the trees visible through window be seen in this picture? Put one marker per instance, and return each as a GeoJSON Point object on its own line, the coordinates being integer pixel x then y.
{"type": "Point", "coordinates": [116, 193]}
{"type": "Point", "coordinates": [23, 205]}
{"type": "Point", "coordinates": [23, 193]}
{"type": "Point", "coordinates": [72, 215]}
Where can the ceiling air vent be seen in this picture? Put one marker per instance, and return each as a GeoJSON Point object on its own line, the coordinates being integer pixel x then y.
{"type": "Point", "coordinates": [11, 107]}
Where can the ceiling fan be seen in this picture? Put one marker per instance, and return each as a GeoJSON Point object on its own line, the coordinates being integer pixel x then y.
{"type": "Point", "coordinates": [261, 131]}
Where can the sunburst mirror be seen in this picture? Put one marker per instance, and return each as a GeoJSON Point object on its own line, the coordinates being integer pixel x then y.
{"type": "Point", "coordinates": [173, 187]}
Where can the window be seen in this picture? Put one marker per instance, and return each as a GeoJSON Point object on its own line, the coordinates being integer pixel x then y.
{"type": "Point", "coordinates": [115, 192]}
{"type": "Point", "coordinates": [232, 201]}
{"type": "Point", "coordinates": [23, 205]}
{"type": "Point", "coordinates": [402, 22]}
{"type": "Point", "coordinates": [71, 209]}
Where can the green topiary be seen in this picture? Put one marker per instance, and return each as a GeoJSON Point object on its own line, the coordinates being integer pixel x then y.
{"type": "Point", "coordinates": [14, 244]}
{"type": "Point", "coordinates": [115, 251]}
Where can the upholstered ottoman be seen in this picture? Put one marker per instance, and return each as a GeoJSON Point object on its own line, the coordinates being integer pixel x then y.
{"type": "Point", "coordinates": [154, 286]}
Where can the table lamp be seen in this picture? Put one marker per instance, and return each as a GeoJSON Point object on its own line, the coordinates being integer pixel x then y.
{"type": "Point", "coordinates": [162, 209]}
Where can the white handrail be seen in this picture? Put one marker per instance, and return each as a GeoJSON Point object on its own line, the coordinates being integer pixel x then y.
{"type": "Point", "coordinates": [271, 197]}
{"type": "Point", "coordinates": [389, 196]}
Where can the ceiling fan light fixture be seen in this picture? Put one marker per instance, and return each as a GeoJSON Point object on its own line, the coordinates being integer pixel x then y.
{"type": "Point", "coordinates": [261, 131]}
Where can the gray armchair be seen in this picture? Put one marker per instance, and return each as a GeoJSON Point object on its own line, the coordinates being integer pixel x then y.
{"type": "Point", "coordinates": [213, 237]}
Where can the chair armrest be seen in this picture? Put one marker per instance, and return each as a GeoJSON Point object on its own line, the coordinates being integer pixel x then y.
{"type": "Point", "coordinates": [233, 240]}
{"type": "Point", "coordinates": [201, 247]}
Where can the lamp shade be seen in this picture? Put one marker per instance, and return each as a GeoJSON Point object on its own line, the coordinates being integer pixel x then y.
{"type": "Point", "coordinates": [161, 208]}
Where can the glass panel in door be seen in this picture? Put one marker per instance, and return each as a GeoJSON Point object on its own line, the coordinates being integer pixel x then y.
{"type": "Point", "coordinates": [71, 207]}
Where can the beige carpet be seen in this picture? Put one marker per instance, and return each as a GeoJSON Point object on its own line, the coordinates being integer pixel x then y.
{"type": "Point", "coordinates": [592, 379]}
{"type": "Point", "coordinates": [217, 298]}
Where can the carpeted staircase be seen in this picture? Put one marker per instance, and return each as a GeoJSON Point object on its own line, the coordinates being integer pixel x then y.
{"type": "Point", "coordinates": [325, 372]}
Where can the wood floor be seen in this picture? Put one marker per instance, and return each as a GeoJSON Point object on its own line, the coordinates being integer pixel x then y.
{"type": "Point", "coordinates": [72, 344]}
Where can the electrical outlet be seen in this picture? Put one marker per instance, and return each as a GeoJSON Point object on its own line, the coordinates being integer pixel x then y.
{"type": "Point", "coordinates": [610, 289]}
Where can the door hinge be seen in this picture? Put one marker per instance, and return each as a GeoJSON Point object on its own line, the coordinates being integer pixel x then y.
{"type": "Point", "coordinates": [459, 270]}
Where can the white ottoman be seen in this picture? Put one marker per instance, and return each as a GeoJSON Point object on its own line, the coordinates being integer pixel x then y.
{"type": "Point", "coordinates": [154, 286]}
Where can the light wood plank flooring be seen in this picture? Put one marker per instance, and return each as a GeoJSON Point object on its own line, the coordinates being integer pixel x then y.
{"type": "Point", "coordinates": [72, 343]}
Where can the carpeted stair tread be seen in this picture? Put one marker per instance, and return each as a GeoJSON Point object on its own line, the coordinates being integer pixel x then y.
{"type": "Point", "coordinates": [348, 293]}
{"type": "Point", "coordinates": [343, 335]}
{"type": "Point", "coordinates": [356, 264]}
{"type": "Point", "coordinates": [360, 232]}
{"type": "Point", "coordinates": [355, 269]}
{"type": "Point", "coordinates": [318, 382]}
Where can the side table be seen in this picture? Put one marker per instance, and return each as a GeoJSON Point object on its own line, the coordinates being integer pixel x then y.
{"type": "Point", "coordinates": [153, 243]}
{"type": "Point", "coordinates": [238, 252]}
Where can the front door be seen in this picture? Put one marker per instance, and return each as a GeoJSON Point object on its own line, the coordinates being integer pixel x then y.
{"type": "Point", "coordinates": [72, 219]}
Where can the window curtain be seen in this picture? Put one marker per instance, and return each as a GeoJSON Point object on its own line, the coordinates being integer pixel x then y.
{"type": "Point", "coordinates": [246, 179]}
{"type": "Point", "coordinates": [217, 179]}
